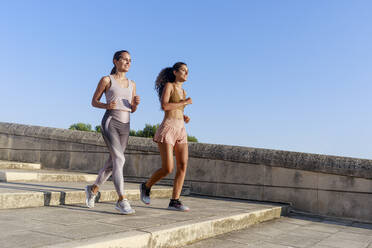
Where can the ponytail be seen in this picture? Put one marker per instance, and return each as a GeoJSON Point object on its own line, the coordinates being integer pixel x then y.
{"type": "Point", "coordinates": [113, 70]}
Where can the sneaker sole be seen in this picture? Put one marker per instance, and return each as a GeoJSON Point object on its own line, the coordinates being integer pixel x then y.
{"type": "Point", "coordinates": [125, 213]}
{"type": "Point", "coordinates": [177, 209]}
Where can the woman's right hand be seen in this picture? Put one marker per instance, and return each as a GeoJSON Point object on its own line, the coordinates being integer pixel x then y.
{"type": "Point", "coordinates": [188, 100]}
{"type": "Point", "coordinates": [111, 105]}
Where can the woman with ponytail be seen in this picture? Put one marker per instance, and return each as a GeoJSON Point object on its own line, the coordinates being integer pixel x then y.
{"type": "Point", "coordinates": [171, 134]}
{"type": "Point", "coordinates": [121, 100]}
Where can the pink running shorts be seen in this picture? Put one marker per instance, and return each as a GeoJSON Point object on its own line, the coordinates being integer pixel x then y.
{"type": "Point", "coordinates": [171, 131]}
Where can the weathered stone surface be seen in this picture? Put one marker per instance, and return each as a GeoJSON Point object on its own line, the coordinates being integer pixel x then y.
{"type": "Point", "coordinates": [26, 194]}
{"type": "Point", "coordinates": [151, 226]}
{"type": "Point", "coordinates": [30, 156]}
{"type": "Point", "coordinates": [294, 231]}
{"type": "Point", "coordinates": [344, 183]}
{"type": "Point", "coordinates": [44, 176]}
{"type": "Point", "coordinates": [284, 177]}
{"type": "Point", "coordinates": [301, 199]}
{"type": "Point", "coordinates": [348, 205]}
{"type": "Point", "coordinates": [18, 165]}
{"type": "Point", "coordinates": [55, 160]}
{"type": "Point", "coordinates": [295, 160]}
{"type": "Point", "coordinates": [217, 170]}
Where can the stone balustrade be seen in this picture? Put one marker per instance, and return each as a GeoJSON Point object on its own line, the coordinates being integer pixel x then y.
{"type": "Point", "coordinates": [319, 184]}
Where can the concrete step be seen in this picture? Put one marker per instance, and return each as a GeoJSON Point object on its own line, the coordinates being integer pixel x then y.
{"type": "Point", "coordinates": [14, 175]}
{"type": "Point", "coordinates": [151, 226]}
{"type": "Point", "coordinates": [25, 194]}
{"type": "Point", "coordinates": [19, 165]}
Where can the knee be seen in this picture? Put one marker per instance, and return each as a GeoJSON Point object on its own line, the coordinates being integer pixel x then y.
{"type": "Point", "coordinates": [120, 160]}
{"type": "Point", "coordinates": [167, 171]}
{"type": "Point", "coordinates": [181, 168]}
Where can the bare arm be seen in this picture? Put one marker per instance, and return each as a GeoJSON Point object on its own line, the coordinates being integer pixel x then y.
{"type": "Point", "coordinates": [135, 99]}
{"type": "Point", "coordinates": [101, 87]}
{"type": "Point", "coordinates": [185, 117]}
{"type": "Point", "coordinates": [166, 105]}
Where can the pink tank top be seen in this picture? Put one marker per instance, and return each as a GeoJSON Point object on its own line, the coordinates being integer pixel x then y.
{"type": "Point", "coordinates": [122, 97]}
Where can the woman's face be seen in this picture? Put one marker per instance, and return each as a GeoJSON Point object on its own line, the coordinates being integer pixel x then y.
{"type": "Point", "coordinates": [123, 63]}
{"type": "Point", "coordinates": [182, 73]}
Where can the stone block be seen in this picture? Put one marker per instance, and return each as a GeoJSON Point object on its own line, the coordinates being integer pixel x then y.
{"type": "Point", "coordinates": [239, 173]}
{"type": "Point", "coordinates": [204, 188]}
{"type": "Point", "coordinates": [25, 143]}
{"type": "Point", "coordinates": [346, 205]}
{"type": "Point", "coordinates": [30, 156]}
{"type": "Point", "coordinates": [283, 177]}
{"type": "Point", "coordinates": [200, 169]}
{"type": "Point", "coordinates": [54, 145]}
{"type": "Point", "coordinates": [144, 165]}
{"type": "Point", "coordinates": [21, 200]}
{"type": "Point", "coordinates": [4, 141]}
{"type": "Point", "coordinates": [87, 161]}
{"type": "Point", "coordinates": [300, 199]}
{"type": "Point", "coordinates": [55, 159]}
{"type": "Point", "coordinates": [344, 183]}
{"type": "Point", "coordinates": [4, 154]}
{"type": "Point", "coordinates": [241, 191]}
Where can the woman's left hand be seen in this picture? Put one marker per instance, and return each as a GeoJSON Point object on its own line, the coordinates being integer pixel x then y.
{"type": "Point", "coordinates": [136, 100]}
{"type": "Point", "coordinates": [186, 118]}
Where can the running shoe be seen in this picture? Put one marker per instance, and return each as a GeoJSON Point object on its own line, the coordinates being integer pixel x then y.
{"type": "Point", "coordinates": [176, 204]}
{"type": "Point", "coordinates": [90, 197]}
{"type": "Point", "coordinates": [145, 194]}
{"type": "Point", "coordinates": [124, 207]}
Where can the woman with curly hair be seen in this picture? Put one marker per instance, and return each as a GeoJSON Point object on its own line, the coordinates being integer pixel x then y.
{"type": "Point", "coordinates": [171, 135]}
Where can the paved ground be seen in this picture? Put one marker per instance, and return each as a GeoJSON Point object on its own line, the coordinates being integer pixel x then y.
{"type": "Point", "coordinates": [35, 227]}
{"type": "Point", "coordinates": [295, 231]}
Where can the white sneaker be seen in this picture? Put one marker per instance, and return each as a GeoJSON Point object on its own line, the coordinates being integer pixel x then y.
{"type": "Point", "coordinates": [90, 198]}
{"type": "Point", "coordinates": [124, 207]}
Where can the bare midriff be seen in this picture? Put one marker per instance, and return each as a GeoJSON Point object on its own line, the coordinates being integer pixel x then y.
{"type": "Point", "coordinates": [178, 112]}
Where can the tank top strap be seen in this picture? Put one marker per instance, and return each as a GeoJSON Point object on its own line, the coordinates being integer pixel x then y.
{"type": "Point", "coordinates": [110, 76]}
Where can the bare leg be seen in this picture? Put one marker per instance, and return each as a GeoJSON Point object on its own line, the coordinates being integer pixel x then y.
{"type": "Point", "coordinates": [166, 154]}
{"type": "Point", "coordinates": [182, 155]}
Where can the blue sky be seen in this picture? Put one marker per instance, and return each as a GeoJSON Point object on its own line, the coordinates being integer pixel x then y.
{"type": "Point", "coordinates": [281, 74]}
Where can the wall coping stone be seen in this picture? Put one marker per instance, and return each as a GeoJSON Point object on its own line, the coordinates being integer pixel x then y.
{"type": "Point", "coordinates": [346, 166]}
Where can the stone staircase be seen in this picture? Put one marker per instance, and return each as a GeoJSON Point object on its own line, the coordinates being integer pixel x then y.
{"type": "Point", "coordinates": [27, 185]}
{"type": "Point", "coordinates": [43, 208]}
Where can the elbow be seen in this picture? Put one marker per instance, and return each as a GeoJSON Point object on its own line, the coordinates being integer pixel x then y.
{"type": "Point", "coordinates": [93, 103]}
{"type": "Point", "coordinates": [163, 107]}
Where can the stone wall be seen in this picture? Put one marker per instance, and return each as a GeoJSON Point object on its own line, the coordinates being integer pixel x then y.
{"type": "Point", "coordinates": [319, 184]}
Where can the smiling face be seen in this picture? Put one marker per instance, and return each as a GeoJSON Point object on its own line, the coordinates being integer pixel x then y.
{"type": "Point", "coordinates": [181, 74]}
{"type": "Point", "coordinates": [123, 63]}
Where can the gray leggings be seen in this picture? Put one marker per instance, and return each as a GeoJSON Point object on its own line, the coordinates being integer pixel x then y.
{"type": "Point", "coordinates": [115, 134]}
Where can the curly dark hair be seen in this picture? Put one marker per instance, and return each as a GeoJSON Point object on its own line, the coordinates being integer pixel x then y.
{"type": "Point", "coordinates": [166, 75]}
{"type": "Point", "coordinates": [117, 56]}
